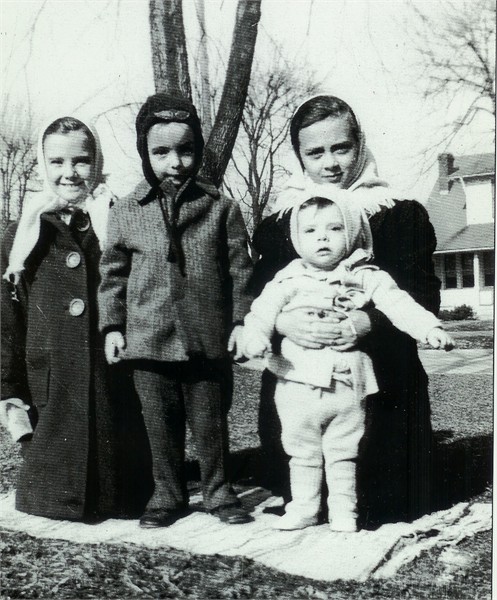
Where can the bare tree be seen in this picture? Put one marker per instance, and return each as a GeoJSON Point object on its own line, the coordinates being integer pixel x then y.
{"type": "Point", "coordinates": [17, 160]}
{"type": "Point", "coordinates": [169, 54]}
{"type": "Point", "coordinates": [203, 68]}
{"type": "Point", "coordinates": [455, 47]}
{"type": "Point", "coordinates": [170, 64]}
{"type": "Point", "coordinates": [275, 91]}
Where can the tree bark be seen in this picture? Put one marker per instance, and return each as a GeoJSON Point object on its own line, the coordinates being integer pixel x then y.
{"type": "Point", "coordinates": [222, 139]}
{"type": "Point", "coordinates": [169, 54]}
{"type": "Point", "coordinates": [203, 65]}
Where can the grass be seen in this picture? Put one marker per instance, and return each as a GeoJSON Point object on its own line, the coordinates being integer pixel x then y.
{"type": "Point", "coordinates": [470, 334]}
{"type": "Point", "coordinates": [462, 419]}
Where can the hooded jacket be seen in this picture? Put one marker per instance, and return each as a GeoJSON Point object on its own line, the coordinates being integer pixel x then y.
{"type": "Point", "coordinates": [353, 284]}
{"type": "Point", "coordinates": [175, 272]}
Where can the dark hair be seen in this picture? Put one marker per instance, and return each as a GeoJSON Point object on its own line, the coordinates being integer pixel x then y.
{"type": "Point", "coordinates": [317, 109]}
{"type": "Point", "coordinates": [68, 124]}
{"type": "Point", "coordinates": [316, 201]}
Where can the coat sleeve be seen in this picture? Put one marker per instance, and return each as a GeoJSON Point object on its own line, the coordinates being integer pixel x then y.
{"type": "Point", "coordinates": [115, 265]}
{"type": "Point", "coordinates": [397, 305]}
{"type": "Point", "coordinates": [14, 324]}
{"type": "Point", "coordinates": [239, 263]}
{"type": "Point", "coordinates": [266, 308]}
{"type": "Point", "coordinates": [404, 242]}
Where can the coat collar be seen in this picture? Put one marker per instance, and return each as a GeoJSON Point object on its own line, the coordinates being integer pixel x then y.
{"type": "Point", "coordinates": [144, 193]}
{"type": "Point", "coordinates": [86, 240]}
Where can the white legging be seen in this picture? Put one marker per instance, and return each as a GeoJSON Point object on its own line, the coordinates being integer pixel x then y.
{"type": "Point", "coordinates": [321, 424]}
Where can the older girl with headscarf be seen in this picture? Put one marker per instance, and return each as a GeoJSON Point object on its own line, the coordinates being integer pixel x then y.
{"type": "Point", "coordinates": [54, 376]}
{"type": "Point", "coordinates": [395, 453]}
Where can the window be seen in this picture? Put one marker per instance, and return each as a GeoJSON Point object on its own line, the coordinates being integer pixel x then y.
{"type": "Point", "coordinates": [488, 268]}
{"type": "Point", "coordinates": [467, 271]}
{"type": "Point", "coordinates": [450, 271]}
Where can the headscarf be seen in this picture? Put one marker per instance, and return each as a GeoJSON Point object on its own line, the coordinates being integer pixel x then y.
{"type": "Point", "coordinates": [97, 205]}
{"type": "Point", "coordinates": [165, 108]}
{"type": "Point", "coordinates": [368, 189]}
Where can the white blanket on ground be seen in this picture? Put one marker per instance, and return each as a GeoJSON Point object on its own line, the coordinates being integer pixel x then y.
{"type": "Point", "coordinates": [315, 552]}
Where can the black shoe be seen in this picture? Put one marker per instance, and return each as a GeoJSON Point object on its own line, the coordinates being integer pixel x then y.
{"type": "Point", "coordinates": [161, 517]}
{"type": "Point", "coordinates": [233, 514]}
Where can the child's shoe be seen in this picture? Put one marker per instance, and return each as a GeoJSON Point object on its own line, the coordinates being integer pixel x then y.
{"type": "Point", "coordinates": [232, 514]}
{"type": "Point", "coordinates": [346, 523]}
{"type": "Point", "coordinates": [290, 521]}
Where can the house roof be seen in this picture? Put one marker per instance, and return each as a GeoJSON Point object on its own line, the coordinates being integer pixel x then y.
{"type": "Point", "coordinates": [473, 165]}
{"type": "Point", "coordinates": [478, 236]}
{"type": "Point", "coordinates": [447, 211]}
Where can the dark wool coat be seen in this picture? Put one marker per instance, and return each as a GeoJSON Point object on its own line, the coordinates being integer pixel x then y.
{"type": "Point", "coordinates": [76, 465]}
{"type": "Point", "coordinates": [395, 455]}
{"type": "Point", "coordinates": [174, 278]}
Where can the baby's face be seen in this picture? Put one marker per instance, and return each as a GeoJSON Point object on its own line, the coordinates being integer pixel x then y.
{"type": "Point", "coordinates": [171, 151]}
{"type": "Point", "coordinates": [322, 238]}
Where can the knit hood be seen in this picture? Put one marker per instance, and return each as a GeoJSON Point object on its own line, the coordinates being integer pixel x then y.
{"type": "Point", "coordinates": [96, 203]}
{"type": "Point", "coordinates": [165, 108]}
{"type": "Point", "coordinates": [357, 230]}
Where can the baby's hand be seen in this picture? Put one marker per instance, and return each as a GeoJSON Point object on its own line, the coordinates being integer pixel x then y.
{"type": "Point", "coordinates": [114, 346]}
{"type": "Point", "coordinates": [256, 346]}
{"type": "Point", "coordinates": [438, 338]}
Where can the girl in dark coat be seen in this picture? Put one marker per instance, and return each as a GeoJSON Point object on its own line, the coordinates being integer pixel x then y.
{"type": "Point", "coordinates": [395, 454]}
{"type": "Point", "coordinates": [53, 364]}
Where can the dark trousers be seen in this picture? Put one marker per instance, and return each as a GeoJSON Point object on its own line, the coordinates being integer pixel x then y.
{"type": "Point", "coordinates": [197, 391]}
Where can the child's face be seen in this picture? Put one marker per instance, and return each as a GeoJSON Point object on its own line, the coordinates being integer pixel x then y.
{"type": "Point", "coordinates": [70, 164]}
{"type": "Point", "coordinates": [329, 151]}
{"type": "Point", "coordinates": [171, 151]}
{"type": "Point", "coordinates": [322, 236]}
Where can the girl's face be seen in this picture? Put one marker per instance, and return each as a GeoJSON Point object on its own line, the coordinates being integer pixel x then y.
{"type": "Point", "coordinates": [329, 151]}
{"type": "Point", "coordinates": [70, 164]}
{"type": "Point", "coordinates": [171, 151]}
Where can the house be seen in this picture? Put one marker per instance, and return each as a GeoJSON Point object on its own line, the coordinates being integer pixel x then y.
{"type": "Point", "coordinates": [462, 210]}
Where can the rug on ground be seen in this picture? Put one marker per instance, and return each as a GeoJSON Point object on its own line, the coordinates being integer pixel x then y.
{"type": "Point", "coordinates": [315, 552]}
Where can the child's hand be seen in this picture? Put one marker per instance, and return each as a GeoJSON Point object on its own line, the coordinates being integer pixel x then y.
{"type": "Point", "coordinates": [14, 417]}
{"type": "Point", "coordinates": [114, 346]}
{"type": "Point", "coordinates": [235, 343]}
{"type": "Point", "coordinates": [438, 338]}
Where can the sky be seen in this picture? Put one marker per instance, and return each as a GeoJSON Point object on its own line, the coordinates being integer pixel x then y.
{"type": "Point", "coordinates": [91, 56]}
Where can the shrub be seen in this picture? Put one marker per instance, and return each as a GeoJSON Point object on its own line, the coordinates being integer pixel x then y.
{"type": "Point", "coordinates": [458, 313]}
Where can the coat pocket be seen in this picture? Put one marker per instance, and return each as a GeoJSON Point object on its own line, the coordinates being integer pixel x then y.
{"type": "Point", "coordinates": [39, 381]}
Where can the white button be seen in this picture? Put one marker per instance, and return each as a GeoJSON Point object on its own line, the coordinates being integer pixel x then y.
{"type": "Point", "coordinates": [76, 307]}
{"type": "Point", "coordinates": [73, 260]}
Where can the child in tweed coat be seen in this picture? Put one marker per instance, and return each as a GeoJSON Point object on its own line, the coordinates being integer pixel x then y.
{"type": "Point", "coordinates": [173, 289]}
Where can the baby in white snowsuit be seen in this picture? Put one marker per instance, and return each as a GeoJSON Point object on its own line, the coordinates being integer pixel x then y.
{"type": "Point", "coordinates": [320, 393]}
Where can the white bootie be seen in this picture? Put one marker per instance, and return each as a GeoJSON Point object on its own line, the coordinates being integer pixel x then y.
{"type": "Point", "coordinates": [305, 486]}
{"type": "Point", "coordinates": [346, 522]}
{"type": "Point", "coordinates": [291, 521]}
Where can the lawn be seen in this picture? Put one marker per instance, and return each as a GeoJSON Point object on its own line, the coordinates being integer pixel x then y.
{"type": "Point", "coordinates": [474, 333]}
{"type": "Point", "coordinates": [462, 419]}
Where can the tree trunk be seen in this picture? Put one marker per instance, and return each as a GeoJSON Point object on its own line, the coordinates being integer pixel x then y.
{"type": "Point", "coordinates": [222, 139]}
{"type": "Point", "coordinates": [169, 55]}
{"type": "Point", "coordinates": [205, 91]}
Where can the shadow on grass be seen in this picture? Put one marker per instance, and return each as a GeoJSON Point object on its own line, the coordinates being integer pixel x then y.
{"type": "Point", "coordinates": [463, 468]}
